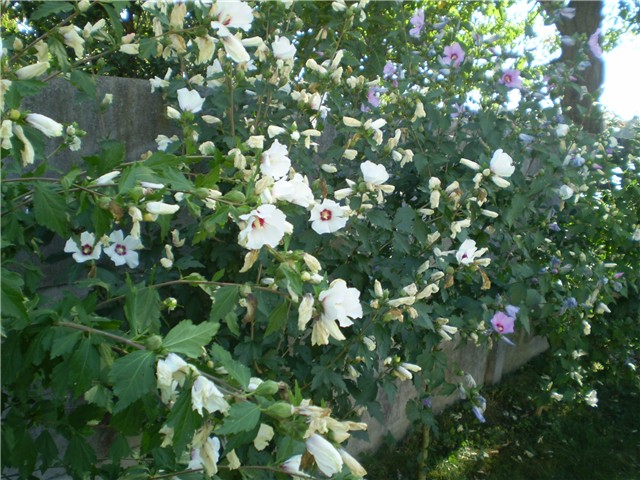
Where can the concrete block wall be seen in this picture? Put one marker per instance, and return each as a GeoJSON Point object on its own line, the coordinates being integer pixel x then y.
{"type": "Point", "coordinates": [136, 116]}
{"type": "Point", "coordinates": [485, 366]}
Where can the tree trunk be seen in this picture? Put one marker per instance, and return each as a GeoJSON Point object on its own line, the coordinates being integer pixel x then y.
{"type": "Point", "coordinates": [581, 108]}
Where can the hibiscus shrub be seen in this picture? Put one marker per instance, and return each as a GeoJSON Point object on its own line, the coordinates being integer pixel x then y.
{"type": "Point", "coordinates": [326, 220]}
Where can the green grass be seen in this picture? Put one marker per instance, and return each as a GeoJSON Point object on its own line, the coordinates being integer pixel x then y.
{"type": "Point", "coordinates": [518, 442]}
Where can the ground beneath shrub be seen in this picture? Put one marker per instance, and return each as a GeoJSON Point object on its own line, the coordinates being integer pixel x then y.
{"type": "Point", "coordinates": [519, 441]}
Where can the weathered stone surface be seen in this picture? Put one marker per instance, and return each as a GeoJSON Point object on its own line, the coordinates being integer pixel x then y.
{"type": "Point", "coordinates": [486, 367]}
{"type": "Point", "coordinates": [136, 116]}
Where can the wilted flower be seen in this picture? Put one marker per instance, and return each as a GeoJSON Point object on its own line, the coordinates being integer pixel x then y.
{"type": "Point", "coordinates": [292, 465]}
{"type": "Point", "coordinates": [206, 456]}
{"type": "Point", "coordinates": [204, 394]}
{"type": "Point", "coordinates": [87, 250]}
{"type": "Point", "coordinates": [73, 39]}
{"type": "Point", "coordinates": [232, 44]}
{"type": "Point", "coordinates": [305, 311]}
{"type": "Point", "coordinates": [453, 55]}
{"type": "Point", "coordinates": [263, 437]}
{"type": "Point", "coordinates": [328, 217]}
{"type": "Point", "coordinates": [123, 249]}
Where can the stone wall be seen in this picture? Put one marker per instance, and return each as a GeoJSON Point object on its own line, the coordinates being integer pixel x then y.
{"type": "Point", "coordinates": [137, 116]}
{"type": "Point", "coordinates": [486, 367]}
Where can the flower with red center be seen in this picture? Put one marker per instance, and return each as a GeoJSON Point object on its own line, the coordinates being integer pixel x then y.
{"type": "Point", "coordinates": [86, 250]}
{"type": "Point", "coordinates": [266, 225]}
{"type": "Point", "coordinates": [453, 55]}
{"type": "Point", "coordinates": [468, 252]}
{"type": "Point", "coordinates": [123, 250]}
{"type": "Point", "coordinates": [502, 323]}
{"type": "Point", "coordinates": [328, 217]}
{"type": "Point", "coordinates": [234, 14]}
{"type": "Point", "coordinates": [511, 78]}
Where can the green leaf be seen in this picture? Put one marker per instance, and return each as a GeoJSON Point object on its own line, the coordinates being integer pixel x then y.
{"type": "Point", "coordinates": [13, 301]}
{"type": "Point", "coordinates": [278, 318]}
{"type": "Point", "coordinates": [79, 456]}
{"type": "Point", "coordinates": [47, 449]}
{"type": "Point", "coordinates": [84, 82]}
{"type": "Point", "coordinates": [184, 420]}
{"type": "Point", "coordinates": [132, 176]}
{"type": "Point", "coordinates": [64, 341]}
{"type": "Point", "coordinates": [47, 9]}
{"type": "Point", "coordinates": [148, 47]}
{"type": "Point", "coordinates": [50, 209]}
{"type": "Point", "coordinates": [133, 376]}
{"type": "Point", "coordinates": [189, 339]}
{"type": "Point", "coordinates": [242, 417]}
{"type": "Point", "coordinates": [84, 366]}
{"type": "Point", "coordinates": [57, 48]}
{"type": "Point", "coordinates": [176, 179]}
{"type": "Point", "coordinates": [236, 370]}
{"type": "Point", "coordinates": [404, 219]}
{"type": "Point", "coordinates": [70, 177]}
{"type": "Point", "coordinates": [293, 278]}
{"type": "Point", "coordinates": [142, 309]}
{"type": "Point", "coordinates": [224, 302]}
{"type": "Point", "coordinates": [380, 219]}
{"type": "Point", "coordinates": [119, 449]}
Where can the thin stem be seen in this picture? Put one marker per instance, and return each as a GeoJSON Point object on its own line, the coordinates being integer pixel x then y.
{"type": "Point", "coordinates": [113, 336]}
{"type": "Point", "coordinates": [43, 36]}
{"type": "Point", "coordinates": [30, 179]}
{"type": "Point", "coordinates": [80, 62]}
{"type": "Point", "coordinates": [426, 440]}
{"type": "Point", "coordinates": [231, 106]}
{"type": "Point", "coordinates": [188, 282]}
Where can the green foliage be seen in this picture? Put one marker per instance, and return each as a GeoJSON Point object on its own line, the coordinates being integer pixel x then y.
{"type": "Point", "coordinates": [133, 376]}
{"type": "Point", "coordinates": [225, 299]}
